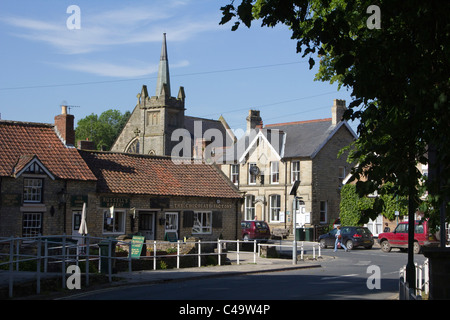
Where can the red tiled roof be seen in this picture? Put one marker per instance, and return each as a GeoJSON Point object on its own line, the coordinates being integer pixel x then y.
{"type": "Point", "coordinates": [21, 140]}
{"type": "Point", "coordinates": [152, 175]}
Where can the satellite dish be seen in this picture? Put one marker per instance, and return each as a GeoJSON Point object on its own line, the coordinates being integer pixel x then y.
{"type": "Point", "coordinates": [254, 170]}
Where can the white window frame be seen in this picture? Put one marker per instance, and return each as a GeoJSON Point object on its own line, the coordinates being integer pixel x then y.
{"type": "Point", "coordinates": [295, 171]}
{"type": "Point", "coordinates": [275, 211]}
{"type": "Point", "coordinates": [33, 190]}
{"type": "Point", "coordinates": [323, 212]}
{"type": "Point", "coordinates": [275, 172]}
{"type": "Point", "coordinates": [234, 173]}
{"type": "Point", "coordinates": [116, 224]}
{"type": "Point", "coordinates": [251, 177]}
{"type": "Point", "coordinates": [31, 224]}
{"type": "Point", "coordinates": [202, 222]}
{"type": "Point", "coordinates": [249, 207]}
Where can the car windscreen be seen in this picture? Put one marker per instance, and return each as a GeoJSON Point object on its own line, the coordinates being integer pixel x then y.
{"type": "Point", "coordinates": [363, 231]}
{"type": "Point", "coordinates": [261, 225]}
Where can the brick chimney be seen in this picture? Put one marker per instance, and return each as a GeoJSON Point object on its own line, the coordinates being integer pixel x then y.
{"type": "Point", "coordinates": [86, 145]}
{"type": "Point", "coordinates": [64, 127]}
{"type": "Point", "coordinates": [337, 111]}
{"type": "Point", "coordinates": [254, 120]}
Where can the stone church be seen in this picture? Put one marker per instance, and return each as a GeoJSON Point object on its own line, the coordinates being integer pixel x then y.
{"type": "Point", "coordinates": [153, 122]}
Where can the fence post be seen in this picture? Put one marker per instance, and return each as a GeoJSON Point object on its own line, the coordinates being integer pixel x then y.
{"type": "Point", "coordinates": [294, 250]}
{"type": "Point", "coordinates": [254, 251]}
{"type": "Point", "coordinates": [129, 256]}
{"type": "Point", "coordinates": [109, 261]}
{"type": "Point", "coordinates": [302, 251]}
{"type": "Point", "coordinates": [38, 266]}
{"type": "Point", "coordinates": [154, 254]}
{"type": "Point", "coordinates": [45, 255]}
{"type": "Point", "coordinates": [178, 254]}
{"type": "Point", "coordinates": [88, 238]}
{"type": "Point", "coordinates": [17, 253]}
{"type": "Point", "coordinates": [11, 257]}
{"type": "Point", "coordinates": [219, 251]}
{"type": "Point", "coordinates": [314, 252]}
{"type": "Point", "coordinates": [199, 253]}
{"type": "Point", "coordinates": [426, 277]}
{"type": "Point", "coordinates": [237, 251]}
{"type": "Point", "coordinates": [63, 265]}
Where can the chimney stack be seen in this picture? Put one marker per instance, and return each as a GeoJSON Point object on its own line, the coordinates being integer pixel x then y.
{"type": "Point", "coordinates": [337, 111]}
{"type": "Point", "coordinates": [64, 127]}
{"type": "Point", "coordinates": [253, 120]}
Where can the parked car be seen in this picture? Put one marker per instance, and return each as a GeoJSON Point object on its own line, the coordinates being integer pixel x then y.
{"type": "Point", "coordinates": [399, 237]}
{"type": "Point", "coordinates": [352, 237]}
{"type": "Point", "coordinates": [255, 230]}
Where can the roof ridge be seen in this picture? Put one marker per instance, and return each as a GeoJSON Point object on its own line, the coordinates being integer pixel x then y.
{"type": "Point", "coordinates": [27, 123]}
{"type": "Point", "coordinates": [297, 122]}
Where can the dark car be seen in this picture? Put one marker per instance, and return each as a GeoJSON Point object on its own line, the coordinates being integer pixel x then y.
{"type": "Point", "coordinates": [352, 237]}
{"type": "Point", "coordinates": [255, 230]}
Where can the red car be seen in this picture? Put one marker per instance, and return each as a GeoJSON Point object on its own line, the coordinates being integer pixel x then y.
{"type": "Point", "coordinates": [399, 238]}
{"type": "Point", "coordinates": [255, 230]}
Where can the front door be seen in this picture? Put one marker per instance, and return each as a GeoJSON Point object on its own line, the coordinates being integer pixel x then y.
{"type": "Point", "coordinates": [172, 223]}
{"type": "Point", "coordinates": [147, 224]}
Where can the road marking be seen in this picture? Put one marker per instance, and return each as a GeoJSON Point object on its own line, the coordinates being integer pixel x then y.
{"type": "Point", "coordinates": [337, 277]}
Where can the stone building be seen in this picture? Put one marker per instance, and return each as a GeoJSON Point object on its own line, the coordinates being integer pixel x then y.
{"type": "Point", "coordinates": [291, 167]}
{"type": "Point", "coordinates": [158, 122]}
{"type": "Point", "coordinates": [41, 177]}
{"type": "Point", "coordinates": [45, 181]}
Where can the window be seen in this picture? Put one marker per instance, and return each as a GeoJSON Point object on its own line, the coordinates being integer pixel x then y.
{"type": "Point", "coordinates": [323, 212]}
{"type": "Point", "coordinates": [234, 168]}
{"type": "Point", "coordinates": [32, 190]}
{"type": "Point", "coordinates": [275, 201]}
{"type": "Point", "coordinates": [295, 171]}
{"type": "Point", "coordinates": [250, 207]}
{"type": "Point", "coordinates": [202, 222]}
{"type": "Point", "coordinates": [114, 224]}
{"type": "Point", "coordinates": [32, 224]}
{"type": "Point", "coordinates": [134, 146]}
{"type": "Point", "coordinates": [274, 172]}
{"type": "Point", "coordinates": [252, 173]}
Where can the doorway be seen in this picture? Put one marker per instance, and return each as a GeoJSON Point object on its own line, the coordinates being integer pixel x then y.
{"type": "Point", "coordinates": [147, 224]}
{"type": "Point", "coordinates": [171, 223]}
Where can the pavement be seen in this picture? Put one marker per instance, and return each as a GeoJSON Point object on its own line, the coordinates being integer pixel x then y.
{"type": "Point", "coordinates": [246, 265]}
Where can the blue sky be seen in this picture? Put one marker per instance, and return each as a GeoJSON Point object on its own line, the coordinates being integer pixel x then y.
{"type": "Point", "coordinates": [104, 64]}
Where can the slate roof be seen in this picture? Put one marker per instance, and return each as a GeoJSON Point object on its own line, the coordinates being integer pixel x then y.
{"type": "Point", "coordinates": [154, 175]}
{"type": "Point", "coordinates": [304, 138]}
{"type": "Point", "coordinates": [20, 142]}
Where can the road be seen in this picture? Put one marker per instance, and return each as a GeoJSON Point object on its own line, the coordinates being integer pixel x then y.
{"type": "Point", "coordinates": [343, 276]}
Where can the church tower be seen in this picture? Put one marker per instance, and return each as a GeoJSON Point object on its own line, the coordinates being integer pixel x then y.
{"type": "Point", "coordinates": [150, 127]}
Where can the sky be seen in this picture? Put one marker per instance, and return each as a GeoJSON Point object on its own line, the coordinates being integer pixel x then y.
{"type": "Point", "coordinates": [98, 57]}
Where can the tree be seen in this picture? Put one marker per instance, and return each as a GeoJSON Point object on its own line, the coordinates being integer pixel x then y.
{"type": "Point", "coordinates": [102, 130]}
{"type": "Point", "coordinates": [398, 76]}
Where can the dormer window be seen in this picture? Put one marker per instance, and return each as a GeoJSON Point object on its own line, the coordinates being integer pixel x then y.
{"type": "Point", "coordinates": [32, 190]}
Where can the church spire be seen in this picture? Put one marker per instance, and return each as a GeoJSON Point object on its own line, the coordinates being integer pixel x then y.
{"type": "Point", "coordinates": [163, 72]}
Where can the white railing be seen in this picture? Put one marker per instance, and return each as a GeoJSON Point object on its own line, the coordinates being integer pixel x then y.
{"type": "Point", "coordinates": [422, 283]}
{"type": "Point", "coordinates": [303, 246]}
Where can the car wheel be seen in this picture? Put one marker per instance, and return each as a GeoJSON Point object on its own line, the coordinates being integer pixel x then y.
{"type": "Point", "coordinates": [417, 248]}
{"type": "Point", "coordinates": [322, 244]}
{"type": "Point", "coordinates": [385, 246]}
{"type": "Point", "coordinates": [349, 244]}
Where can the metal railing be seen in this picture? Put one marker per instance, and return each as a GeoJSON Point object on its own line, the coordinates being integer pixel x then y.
{"type": "Point", "coordinates": [303, 246]}
{"type": "Point", "coordinates": [422, 283]}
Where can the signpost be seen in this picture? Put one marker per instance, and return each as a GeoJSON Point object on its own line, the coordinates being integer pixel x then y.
{"type": "Point", "coordinates": [136, 246]}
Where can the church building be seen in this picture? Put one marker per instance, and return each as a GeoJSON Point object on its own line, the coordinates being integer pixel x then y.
{"type": "Point", "coordinates": [153, 124]}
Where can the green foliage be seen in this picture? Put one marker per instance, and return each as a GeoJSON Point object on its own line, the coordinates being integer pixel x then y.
{"type": "Point", "coordinates": [398, 77]}
{"type": "Point", "coordinates": [102, 130]}
{"type": "Point", "coordinates": [356, 210]}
